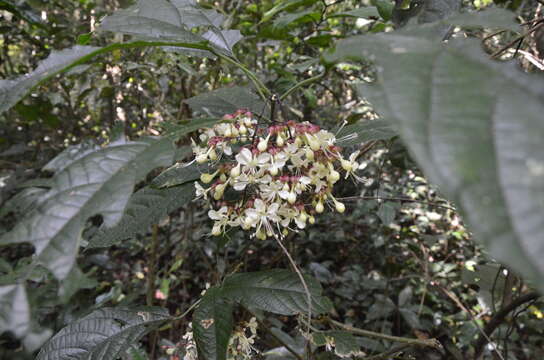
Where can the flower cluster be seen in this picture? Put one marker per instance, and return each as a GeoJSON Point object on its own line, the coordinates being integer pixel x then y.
{"type": "Point", "coordinates": [269, 179]}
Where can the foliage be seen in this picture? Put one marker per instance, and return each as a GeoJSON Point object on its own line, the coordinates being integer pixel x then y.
{"type": "Point", "coordinates": [110, 224]}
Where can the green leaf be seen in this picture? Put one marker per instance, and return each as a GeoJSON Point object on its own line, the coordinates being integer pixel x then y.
{"type": "Point", "coordinates": [14, 310]}
{"type": "Point", "coordinates": [366, 131]}
{"type": "Point", "coordinates": [104, 334]}
{"type": "Point", "coordinates": [494, 18]}
{"type": "Point", "coordinates": [177, 131]}
{"type": "Point", "coordinates": [23, 12]}
{"type": "Point", "coordinates": [475, 127]}
{"type": "Point", "coordinates": [98, 183]}
{"type": "Point", "coordinates": [362, 12]}
{"type": "Point", "coordinates": [297, 18]}
{"type": "Point", "coordinates": [75, 281]}
{"type": "Point", "coordinates": [11, 91]}
{"type": "Point", "coordinates": [225, 101]}
{"type": "Point", "coordinates": [165, 20]}
{"type": "Point", "coordinates": [158, 19]}
{"type": "Point", "coordinates": [179, 174]}
{"type": "Point", "coordinates": [275, 291]}
{"type": "Point", "coordinates": [284, 6]}
{"type": "Point", "coordinates": [145, 208]}
{"type": "Point", "coordinates": [385, 8]}
{"type": "Point", "coordinates": [212, 325]}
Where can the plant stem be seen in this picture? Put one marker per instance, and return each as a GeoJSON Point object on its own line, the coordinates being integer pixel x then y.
{"type": "Point", "coordinates": [300, 84]}
{"type": "Point", "coordinates": [426, 342]}
{"type": "Point", "coordinates": [263, 91]}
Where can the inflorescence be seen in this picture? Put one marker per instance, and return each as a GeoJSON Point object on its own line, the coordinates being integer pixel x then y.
{"type": "Point", "coordinates": [269, 179]}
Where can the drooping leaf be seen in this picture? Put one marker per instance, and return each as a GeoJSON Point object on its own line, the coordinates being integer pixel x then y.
{"type": "Point", "coordinates": [494, 18]}
{"type": "Point", "coordinates": [426, 11]}
{"type": "Point", "coordinates": [362, 12]}
{"type": "Point", "coordinates": [14, 310]}
{"type": "Point", "coordinates": [366, 131]}
{"type": "Point", "coordinates": [98, 183]}
{"type": "Point", "coordinates": [145, 208]}
{"type": "Point", "coordinates": [212, 325]}
{"type": "Point", "coordinates": [225, 101]}
{"type": "Point", "coordinates": [177, 131]}
{"type": "Point", "coordinates": [475, 127]}
{"type": "Point", "coordinates": [165, 20]}
{"type": "Point", "coordinates": [179, 174]}
{"type": "Point", "coordinates": [104, 334]}
{"type": "Point", "coordinates": [297, 18]}
{"type": "Point", "coordinates": [22, 11]}
{"type": "Point", "coordinates": [275, 291]}
{"type": "Point", "coordinates": [159, 19]}
{"type": "Point", "coordinates": [11, 91]}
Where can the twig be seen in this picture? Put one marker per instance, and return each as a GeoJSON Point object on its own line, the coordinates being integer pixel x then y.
{"type": "Point", "coordinates": [498, 318]}
{"type": "Point", "coordinates": [300, 84]}
{"type": "Point", "coordinates": [386, 354]}
{"type": "Point", "coordinates": [519, 38]}
{"type": "Point", "coordinates": [399, 199]}
{"type": "Point", "coordinates": [304, 284]}
{"type": "Point", "coordinates": [458, 302]}
{"type": "Point", "coordinates": [371, 334]}
{"type": "Point", "coordinates": [151, 273]}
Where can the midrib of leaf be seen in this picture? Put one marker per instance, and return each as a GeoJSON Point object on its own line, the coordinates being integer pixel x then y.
{"type": "Point", "coordinates": [129, 45]}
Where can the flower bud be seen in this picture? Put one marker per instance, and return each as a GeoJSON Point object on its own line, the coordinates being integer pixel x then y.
{"type": "Point", "coordinates": [292, 197]}
{"type": "Point", "coordinates": [279, 140]}
{"type": "Point", "coordinates": [216, 230]}
{"type": "Point", "coordinates": [207, 178]}
{"type": "Point", "coordinates": [263, 144]}
{"type": "Point", "coordinates": [273, 171]}
{"type": "Point", "coordinates": [243, 129]}
{"type": "Point", "coordinates": [201, 158]}
{"type": "Point", "coordinates": [235, 131]}
{"type": "Point", "coordinates": [334, 176]}
{"type": "Point", "coordinates": [228, 132]}
{"type": "Point", "coordinates": [298, 141]}
{"type": "Point", "coordinates": [313, 142]}
{"type": "Point", "coordinates": [311, 220]}
{"type": "Point", "coordinates": [340, 207]}
{"type": "Point", "coordinates": [309, 154]}
{"type": "Point", "coordinates": [235, 171]}
{"type": "Point", "coordinates": [213, 154]}
{"type": "Point", "coordinates": [319, 208]}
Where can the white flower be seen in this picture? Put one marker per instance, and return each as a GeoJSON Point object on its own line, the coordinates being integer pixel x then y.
{"type": "Point", "coordinates": [261, 214]}
{"type": "Point", "coordinates": [243, 180]}
{"type": "Point", "coordinates": [250, 162]}
{"type": "Point", "coordinates": [200, 191]}
{"type": "Point", "coordinates": [221, 220]}
{"type": "Point", "coordinates": [271, 191]}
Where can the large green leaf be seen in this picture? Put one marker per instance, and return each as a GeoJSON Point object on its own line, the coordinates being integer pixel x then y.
{"type": "Point", "coordinates": [212, 325]}
{"type": "Point", "coordinates": [475, 127]}
{"type": "Point", "coordinates": [11, 91]}
{"type": "Point", "coordinates": [104, 334]}
{"type": "Point", "coordinates": [226, 100]}
{"type": "Point", "coordinates": [145, 208]}
{"type": "Point", "coordinates": [97, 183]}
{"type": "Point", "coordinates": [165, 20]}
{"type": "Point", "coordinates": [14, 310]}
{"type": "Point", "coordinates": [366, 131]}
{"type": "Point", "coordinates": [275, 291]}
